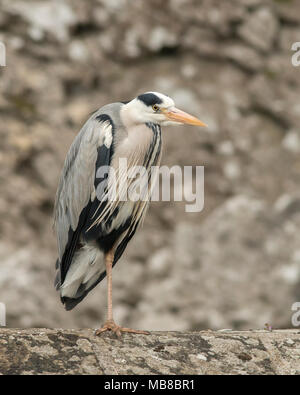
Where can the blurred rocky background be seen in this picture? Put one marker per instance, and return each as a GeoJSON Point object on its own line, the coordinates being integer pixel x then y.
{"type": "Point", "coordinates": [236, 264]}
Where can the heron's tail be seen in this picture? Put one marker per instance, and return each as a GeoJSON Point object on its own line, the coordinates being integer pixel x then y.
{"type": "Point", "coordinates": [85, 272]}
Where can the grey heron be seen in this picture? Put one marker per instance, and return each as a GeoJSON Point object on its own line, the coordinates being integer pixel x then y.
{"type": "Point", "coordinates": [93, 231]}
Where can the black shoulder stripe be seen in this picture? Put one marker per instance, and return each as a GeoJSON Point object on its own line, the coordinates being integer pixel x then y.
{"type": "Point", "coordinates": [85, 220]}
{"type": "Point", "coordinates": [100, 182]}
{"type": "Point", "coordinates": [105, 118]}
{"type": "Point", "coordinates": [104, 153]}
{"type": "Point", "coordinates": [103, 159]}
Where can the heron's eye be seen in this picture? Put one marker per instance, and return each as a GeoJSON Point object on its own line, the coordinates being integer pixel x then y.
{"type": "Point", "coordinates": [155, 107]}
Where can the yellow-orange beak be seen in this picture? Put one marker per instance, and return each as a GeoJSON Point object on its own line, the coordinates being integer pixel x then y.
{"type": "Point", "coordinates": [177, 115]}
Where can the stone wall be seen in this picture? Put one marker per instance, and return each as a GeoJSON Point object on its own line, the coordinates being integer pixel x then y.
{"type": "Point", "coordinates": [49, 351]}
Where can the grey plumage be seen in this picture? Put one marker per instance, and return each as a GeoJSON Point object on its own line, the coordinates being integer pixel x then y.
{"type": "Point", "coordinates": [93, 229]}
{"type": "Point", "coordinates": [81, 242]}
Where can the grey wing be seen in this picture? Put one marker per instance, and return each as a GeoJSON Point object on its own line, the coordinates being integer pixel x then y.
{"type": "Point", "coordinates": [76, 190]}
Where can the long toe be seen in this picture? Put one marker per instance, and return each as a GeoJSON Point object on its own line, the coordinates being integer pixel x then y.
{"type": "Point", "coordinates": [137, 331]}
{"type": "Point", "coordinates": [117, 329]}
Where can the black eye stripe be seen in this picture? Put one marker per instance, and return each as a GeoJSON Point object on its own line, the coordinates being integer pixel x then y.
{"type": "Point", "coordinates": [149, 99]}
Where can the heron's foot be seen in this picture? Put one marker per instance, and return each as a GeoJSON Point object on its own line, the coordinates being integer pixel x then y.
{"type": "Point", "coordinates": [110, 325]}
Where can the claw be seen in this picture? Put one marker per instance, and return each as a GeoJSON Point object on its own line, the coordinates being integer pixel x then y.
{"type": "Point", "coordinates": [117, 329]}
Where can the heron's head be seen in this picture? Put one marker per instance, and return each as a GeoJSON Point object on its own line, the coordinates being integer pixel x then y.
{"type": "Point", "coordinates": [156, 108]}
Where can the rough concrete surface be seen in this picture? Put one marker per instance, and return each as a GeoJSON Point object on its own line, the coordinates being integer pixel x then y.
{"type": "Point", "coordinates": [57, 351]}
